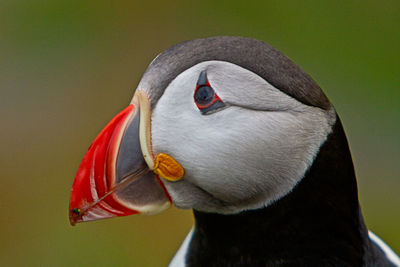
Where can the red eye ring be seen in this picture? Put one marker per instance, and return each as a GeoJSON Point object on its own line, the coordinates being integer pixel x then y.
{"type": "Point", "coordinates": [205, 98]}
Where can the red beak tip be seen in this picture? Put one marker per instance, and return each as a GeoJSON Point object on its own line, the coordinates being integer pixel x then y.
{"type": "Point", "coordinates": [72, 222]}
{"type": "Point", "coordinates": [75, 216]}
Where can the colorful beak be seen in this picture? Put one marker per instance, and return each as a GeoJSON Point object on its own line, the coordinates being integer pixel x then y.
{"type": "Point", "coordinates": [115, 177]}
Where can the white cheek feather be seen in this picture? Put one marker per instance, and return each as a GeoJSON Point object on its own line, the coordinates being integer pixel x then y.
{"type": "Point", "coordinates": [245, 156]}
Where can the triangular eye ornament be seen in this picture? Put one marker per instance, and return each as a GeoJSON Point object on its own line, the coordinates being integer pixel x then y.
{"type": "Point", "coordinates": [205, 97]}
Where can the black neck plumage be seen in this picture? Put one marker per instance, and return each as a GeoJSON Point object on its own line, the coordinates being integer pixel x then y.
{"type": "Point", "coordinates": [318, 224]}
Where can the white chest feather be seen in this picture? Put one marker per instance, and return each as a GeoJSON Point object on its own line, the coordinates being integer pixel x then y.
{"type": "Point", "coordinates": [179, 258]}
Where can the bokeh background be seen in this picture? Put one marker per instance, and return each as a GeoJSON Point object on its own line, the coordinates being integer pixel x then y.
{"type": "Point", "coordinates": [67, 67]}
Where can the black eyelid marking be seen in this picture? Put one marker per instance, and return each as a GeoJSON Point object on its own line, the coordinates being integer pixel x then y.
{"type": "Point", "coordinates": [202, 81]}
{"type": "Point", "coordinates": [215, 106]}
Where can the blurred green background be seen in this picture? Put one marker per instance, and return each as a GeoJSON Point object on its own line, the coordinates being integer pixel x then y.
{"type": "Point", "coordinates": [67, 67]}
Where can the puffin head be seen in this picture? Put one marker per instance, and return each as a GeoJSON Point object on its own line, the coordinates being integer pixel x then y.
{"type": "Point", "coordinates": [221, 125]}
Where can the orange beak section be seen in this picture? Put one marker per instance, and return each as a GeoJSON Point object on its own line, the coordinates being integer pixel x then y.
{"type": "Point", "coordinates": [107, 183]}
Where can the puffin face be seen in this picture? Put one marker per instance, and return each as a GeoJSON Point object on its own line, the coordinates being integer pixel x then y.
{"type": "Point", "coordinates": [221, 124]}
{"type": "Point", "coordinates": [247, 151]}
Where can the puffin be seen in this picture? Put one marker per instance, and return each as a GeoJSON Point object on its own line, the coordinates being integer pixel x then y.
{"type": "Point", "coordinates": [234, 130]}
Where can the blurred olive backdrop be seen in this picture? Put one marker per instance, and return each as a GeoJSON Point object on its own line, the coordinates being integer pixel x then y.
{"type": "Point", "coordinates": [67, 67]}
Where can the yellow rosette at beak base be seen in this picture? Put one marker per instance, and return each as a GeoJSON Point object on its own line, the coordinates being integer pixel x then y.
{"type": "Point", "coordinates": [168, 168]}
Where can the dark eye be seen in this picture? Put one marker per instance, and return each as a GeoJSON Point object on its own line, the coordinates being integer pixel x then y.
{"type": "Point", "coordinates": [205, 97]}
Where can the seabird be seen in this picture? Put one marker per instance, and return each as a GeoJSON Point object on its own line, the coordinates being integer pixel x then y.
{"type": "Point", "coordinates": [233, 129]}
